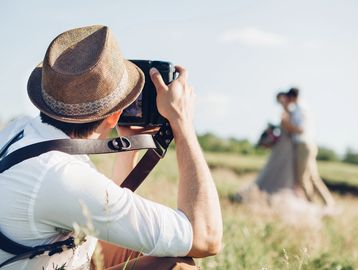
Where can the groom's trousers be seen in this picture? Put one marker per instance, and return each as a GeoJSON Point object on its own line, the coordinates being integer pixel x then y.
{"type": "Point", "coordinates": [306, 172]}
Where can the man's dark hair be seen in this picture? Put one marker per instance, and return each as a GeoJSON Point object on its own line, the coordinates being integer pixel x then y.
{"type": "Point", "coordinates": [293, 92]}
{"type": "Point", "coordinates": [72, 129]}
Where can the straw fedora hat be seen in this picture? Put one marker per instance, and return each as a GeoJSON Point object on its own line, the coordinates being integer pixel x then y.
{"type": "Point", "coordinates": [84, 77]}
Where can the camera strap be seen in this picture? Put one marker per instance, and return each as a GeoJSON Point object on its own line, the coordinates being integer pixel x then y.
{"type": "Point", "coordinates": [163, 138]}
{"type": "Point", "coordinates": [157, 146]}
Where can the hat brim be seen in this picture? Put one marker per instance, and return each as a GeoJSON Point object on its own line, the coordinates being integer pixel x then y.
{"type": "Point", "coordinates": [136, 82]}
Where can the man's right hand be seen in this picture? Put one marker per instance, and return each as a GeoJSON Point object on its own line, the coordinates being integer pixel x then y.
{"type": "Point", "coordinates": [175, 101]}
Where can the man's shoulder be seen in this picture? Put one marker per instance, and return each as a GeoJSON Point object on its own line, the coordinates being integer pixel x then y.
{"type": "Point", "coordinates": [59, 158]}
{"type": "Point", "coordinates": [33, 134]}
{"type": "Point", "coordinates": [303, 105]}
{"type": "Point", "coordinates": [12, 128]}
{"type": "Point", "coordinates": [299, 108]}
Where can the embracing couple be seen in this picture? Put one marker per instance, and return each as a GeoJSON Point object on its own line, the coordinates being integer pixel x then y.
{"type": "Point", "coordinates": [292, 163]}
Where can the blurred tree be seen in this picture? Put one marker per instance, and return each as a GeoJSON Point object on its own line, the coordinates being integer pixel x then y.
{"type": "Point", "coordinates": [351, 156]}
{"type": "Point", "coordinates": [213, 143]}
{"type": "Point", "coordinates": [327, 154]}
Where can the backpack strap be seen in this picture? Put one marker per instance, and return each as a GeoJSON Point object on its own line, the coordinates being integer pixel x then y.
{"type": "Point", "coordinates": [23, 252]}
{"type": "Point", "coordinates": [17, 137]}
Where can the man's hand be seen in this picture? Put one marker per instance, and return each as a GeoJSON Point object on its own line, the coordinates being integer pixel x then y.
{"type": "Point", "coordinates": [174, 101]}
{"type": "Point", "coordinates": [197, 195]}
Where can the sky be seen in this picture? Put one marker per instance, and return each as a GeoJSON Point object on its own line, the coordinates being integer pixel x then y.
{"type": "Point", "coordinates": [239, 54]}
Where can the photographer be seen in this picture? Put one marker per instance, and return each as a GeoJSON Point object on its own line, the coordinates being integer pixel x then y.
{"type": "Point", "coordinates": [81, 89]}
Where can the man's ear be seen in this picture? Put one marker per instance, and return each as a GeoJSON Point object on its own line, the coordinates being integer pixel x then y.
{"type": "Point", "coordinates": [112, 120]}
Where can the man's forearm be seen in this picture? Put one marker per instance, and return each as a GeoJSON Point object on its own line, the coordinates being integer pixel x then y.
{"type": "Point", "coordinates": [197, 196]}
{"type": "Point", "coordinates": [291, 128]}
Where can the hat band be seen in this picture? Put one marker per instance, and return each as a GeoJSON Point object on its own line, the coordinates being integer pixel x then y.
{"type": "Point", "coordinates": [81, 109]}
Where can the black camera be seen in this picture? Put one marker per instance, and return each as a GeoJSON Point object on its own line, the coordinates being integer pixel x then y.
{"type": "Point", "coordinates": [143, 111]}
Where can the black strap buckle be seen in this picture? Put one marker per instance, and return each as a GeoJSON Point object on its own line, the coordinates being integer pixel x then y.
{"type": "Point", "coordinates": [163, 138]}
{"type": "Point", "coordinates": [121, 143]}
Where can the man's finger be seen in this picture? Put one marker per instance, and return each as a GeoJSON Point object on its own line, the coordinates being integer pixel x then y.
{"type": "Point", "coordinates": [183, 74]}
{"type": "Point", "coordinates": [157, 79]}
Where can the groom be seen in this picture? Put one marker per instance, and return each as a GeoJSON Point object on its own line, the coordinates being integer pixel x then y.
{"type": "Point", "coordinates": [305, 150]}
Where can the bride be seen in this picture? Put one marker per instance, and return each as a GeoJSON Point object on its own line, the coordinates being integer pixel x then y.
{"type": "Point", "coordinates": [278, 173]}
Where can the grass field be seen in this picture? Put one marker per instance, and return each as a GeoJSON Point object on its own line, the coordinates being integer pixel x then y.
{"type": "Point", "coordinates": [255, 238]}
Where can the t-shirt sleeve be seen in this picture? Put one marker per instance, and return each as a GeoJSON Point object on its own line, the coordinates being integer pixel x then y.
{"type": "Point", "coordinates": [299, 117]}
{"type": "Point", "coordinates": [118, 215]}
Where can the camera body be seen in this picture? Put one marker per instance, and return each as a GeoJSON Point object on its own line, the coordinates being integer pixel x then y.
{"type": "Point", "coordinates": [143, 111]}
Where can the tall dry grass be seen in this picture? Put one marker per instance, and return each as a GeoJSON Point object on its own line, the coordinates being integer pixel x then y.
{"type": "Point", "coordinates": [255, 237]}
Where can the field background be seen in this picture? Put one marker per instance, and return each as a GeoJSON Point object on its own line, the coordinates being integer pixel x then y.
{"type": "Point", "coordinates": [255, 238]}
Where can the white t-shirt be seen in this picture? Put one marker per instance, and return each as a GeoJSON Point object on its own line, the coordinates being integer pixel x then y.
{"type": "Point", "coordinates": [301, 117]}
{"type": "Point", "coordinates": [43, 197]}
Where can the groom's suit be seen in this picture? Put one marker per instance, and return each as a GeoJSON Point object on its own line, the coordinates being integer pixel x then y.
{"type": "Point", "coordinates": [305, 152]}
